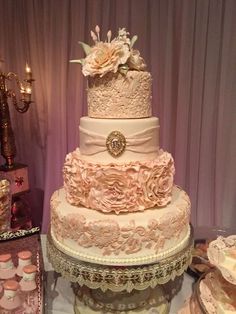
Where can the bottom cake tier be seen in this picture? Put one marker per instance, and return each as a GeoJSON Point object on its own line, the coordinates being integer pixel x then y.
{"type": "Point", "coordinates": [126, 239]}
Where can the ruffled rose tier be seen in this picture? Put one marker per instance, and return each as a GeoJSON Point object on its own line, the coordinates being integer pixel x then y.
{"type": "Point", "coordinates": [127, 187]}
{"type": "Point", "coordinates": [120, 96]}
{"type": "Point", "coordinates": [124, 239]}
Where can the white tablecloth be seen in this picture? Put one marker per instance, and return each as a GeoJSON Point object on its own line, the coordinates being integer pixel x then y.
{"type": "Point", "coordinates": [59, 297]}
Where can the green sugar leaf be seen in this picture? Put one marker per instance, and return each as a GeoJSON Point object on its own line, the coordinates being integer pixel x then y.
{"type": "Point", "coordinates": [85, 47]}
{"type": "Point", "coordinates": [81, 61]}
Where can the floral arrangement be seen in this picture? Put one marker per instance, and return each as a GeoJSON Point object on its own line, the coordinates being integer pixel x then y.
{"type": "Point", "coordinates": [113, 55]}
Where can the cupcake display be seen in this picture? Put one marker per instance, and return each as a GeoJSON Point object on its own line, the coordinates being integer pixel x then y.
{"type": "Point", "coordinates": [17, 282]}
{"type": "Point", "coordinates": [21, 272]}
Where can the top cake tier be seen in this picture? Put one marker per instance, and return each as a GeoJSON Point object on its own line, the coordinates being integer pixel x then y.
{"type": "Point", "coordinates": [118, 85]}
{"type": "Point", "coordinates": [117, 96]}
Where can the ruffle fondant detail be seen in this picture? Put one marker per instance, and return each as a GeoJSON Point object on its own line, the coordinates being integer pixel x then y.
{"type": "Point", "coordinates": [129, 187]}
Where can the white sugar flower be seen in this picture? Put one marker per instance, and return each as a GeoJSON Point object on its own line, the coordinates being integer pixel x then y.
{"type": "Point", "coordinates": [135, 61]}
{"type": "Point", "coordinates": [112, 55]}
{"type": "Point", "coordinates": [104, 58]}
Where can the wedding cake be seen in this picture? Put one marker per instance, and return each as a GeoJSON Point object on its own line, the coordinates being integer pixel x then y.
{"type": "Point", "coordinates": [119, 205]}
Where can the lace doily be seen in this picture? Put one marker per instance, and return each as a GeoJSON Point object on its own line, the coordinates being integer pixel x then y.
{"type": "Point", "coordinates": [118, 278]}
{"type": "Point", "coordinates": [222, 254]}
{"type": "Point", "coordinates": [211, 290]}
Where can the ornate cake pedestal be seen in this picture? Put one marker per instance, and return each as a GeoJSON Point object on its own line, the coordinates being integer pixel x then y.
{"type": "Point", "coordinates": [119, 282]}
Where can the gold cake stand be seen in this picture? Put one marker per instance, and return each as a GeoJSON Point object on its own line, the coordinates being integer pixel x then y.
{"type": "Point", "coordinates": [118, 279]}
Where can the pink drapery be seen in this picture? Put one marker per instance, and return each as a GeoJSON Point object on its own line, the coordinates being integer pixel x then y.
{"type": "Point", "coordinates": [190, 48]}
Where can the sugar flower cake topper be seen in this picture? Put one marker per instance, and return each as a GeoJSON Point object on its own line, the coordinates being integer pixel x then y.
{"type": "Point", "coordinates": [111, 55]}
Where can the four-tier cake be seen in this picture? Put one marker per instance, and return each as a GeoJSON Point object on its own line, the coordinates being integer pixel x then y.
{"type": "Point", "coordinates": [119, 205]}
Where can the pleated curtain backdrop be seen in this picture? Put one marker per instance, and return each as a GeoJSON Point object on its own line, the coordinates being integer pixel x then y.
{"type": "Point", "coordinates": [190, 49]}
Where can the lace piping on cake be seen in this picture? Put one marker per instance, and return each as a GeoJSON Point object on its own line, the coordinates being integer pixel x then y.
{"type": "Point", "coordinates": [139, 142]}
{"type": "Point", "coordinates": [117, 188]}
{"type": "Point", "coordinates": [107, 260]}
{"type": "Point", "coordinates": [112, 239]}
{"type": "Point", "coordinates": [117, 96]}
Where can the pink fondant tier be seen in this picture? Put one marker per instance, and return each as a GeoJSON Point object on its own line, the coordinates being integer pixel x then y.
{"type": "Point", "coordinates": [124, 239]}
{"type": "Point", "coordinates": [113, 187]}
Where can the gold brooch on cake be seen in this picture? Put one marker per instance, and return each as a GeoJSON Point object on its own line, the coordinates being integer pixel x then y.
{"type": "Point", "coordinates": [116, 143]}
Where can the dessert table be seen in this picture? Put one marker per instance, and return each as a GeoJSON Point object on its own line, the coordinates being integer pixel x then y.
{"type": "Point", "coordinates": [59, 297]}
